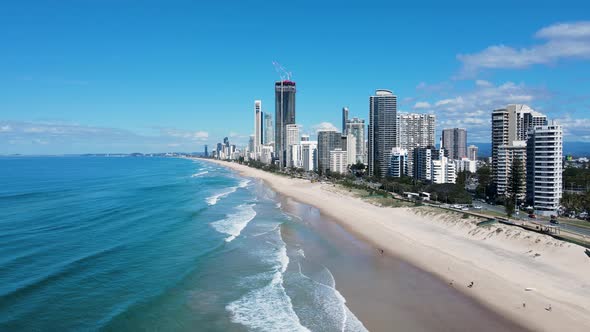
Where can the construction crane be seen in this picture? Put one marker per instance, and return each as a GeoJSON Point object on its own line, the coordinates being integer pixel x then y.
{"type": "Point", "coordinates": [283, 73]}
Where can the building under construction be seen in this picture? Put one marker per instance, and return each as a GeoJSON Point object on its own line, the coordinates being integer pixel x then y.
{"type": "Point", "coordinates": [284, 115]}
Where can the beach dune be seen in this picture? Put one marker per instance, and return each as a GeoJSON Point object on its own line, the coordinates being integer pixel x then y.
{"type": "Point", "coordinates": [530, 278]}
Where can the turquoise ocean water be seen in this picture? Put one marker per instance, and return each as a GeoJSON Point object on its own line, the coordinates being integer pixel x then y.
{"type": "Point", "coordinates": [122, 244]}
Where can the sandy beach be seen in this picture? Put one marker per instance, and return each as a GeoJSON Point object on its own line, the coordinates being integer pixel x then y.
{"type": "Point", "coordinates": [532, 279]}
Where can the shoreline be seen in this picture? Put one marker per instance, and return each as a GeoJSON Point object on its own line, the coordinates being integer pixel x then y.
{"type": "Point", "coordinates": [531, 279]}
{"type": "Point", "coordinates": [381, 290]}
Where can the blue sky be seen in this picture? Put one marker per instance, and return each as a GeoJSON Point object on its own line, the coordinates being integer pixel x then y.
{"type": "Point", "coordinates": [149, 76]}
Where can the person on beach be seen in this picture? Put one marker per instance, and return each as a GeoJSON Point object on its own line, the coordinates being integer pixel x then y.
{"type": "Point", "coordinates": [470, 285]}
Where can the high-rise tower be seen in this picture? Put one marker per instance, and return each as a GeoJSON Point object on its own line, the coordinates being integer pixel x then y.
{"type": "Point", "coordinates": [510, 128]}
{"type": "Point", "coordinates": [284, 115]}
{"type": "Point", "coordinates": [415, 131]}
{"type": "Point", "coordinates": [268, 129]}
{"type": "Point", "coordinates": [344, 119]}
{"type": "Point", "coordinates": [382, 131]}
{"type": "Point", "coordinates": [454, 141]}
{"type": "Point", "coordinates": [258, 129]}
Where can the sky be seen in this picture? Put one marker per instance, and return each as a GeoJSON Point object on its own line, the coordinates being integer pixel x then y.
{"type": "Point", "coordinates": [99, 76]}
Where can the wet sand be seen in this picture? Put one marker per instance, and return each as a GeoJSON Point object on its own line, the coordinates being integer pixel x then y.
{"type": "Point", "coordinates": [385, 292]}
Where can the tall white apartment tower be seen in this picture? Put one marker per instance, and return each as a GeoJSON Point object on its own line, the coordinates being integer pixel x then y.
{"type": "Point", "coordinates": [415, 131]}
{"type": "Point", "coordinates": [356, 128]}
{"type": "Point", "coordinates": [258, 129]}
{"type": "Point", "coordinates": [292, 138]}
{"type": "Point", "coordinates": [544, 168]}
{"type": "Point", "coordinates": [510, 128]}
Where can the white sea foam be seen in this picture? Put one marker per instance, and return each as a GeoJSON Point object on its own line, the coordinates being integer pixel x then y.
{"type": "Point", "coordinates": [301, 252]}
{"type": "Point", "coordinates": [234, 223]}
{"type": "Point", "coordinates": [268, 308]}
{"type": "Point", "coordinates": [212, 200]}
{"type": "Point", "coordinates": [199, 174]}
{"type": "Point", "coordinates": [243, 183]}
{"type": "Point", "coordinates": [349, 322]}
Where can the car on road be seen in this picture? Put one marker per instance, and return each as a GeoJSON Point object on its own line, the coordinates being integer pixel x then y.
{"type": "Point", "coordinates": [477, 207]}
{"type": "Point", "coordinates": [532, 216]}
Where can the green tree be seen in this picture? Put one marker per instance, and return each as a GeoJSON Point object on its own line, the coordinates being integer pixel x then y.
{"type": "Point", "coordinates": [515, 186]}
{"type": "Point", "coordinates": [483, 189]}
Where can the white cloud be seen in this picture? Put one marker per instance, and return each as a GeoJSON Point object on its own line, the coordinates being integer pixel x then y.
{"type": "Point", "coordinates": [578, 129]}
{"type": "Point", "coordinates": [565, 30]}
{"type": "Point", "coordinates": [483, 83]}
{"type": "Point", "coordinates": [191, 135]}
{"type": "Point", "coordinates": [471, 109]}
{"type": "Point", "coordinates": [422, 105]}
{"type": "Point", "coordinates": [55, 137]}
{"type": "Point", "coordinates": [323, 126]}
{"type": "Point", "coordinates": [564, 40]}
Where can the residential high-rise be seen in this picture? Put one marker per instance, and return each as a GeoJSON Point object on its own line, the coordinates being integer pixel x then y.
{"type": "Point", "coordinates": [292, 139]}
{"type": "Point", "coordinates": [472, 152]}
{"type": "Point", "coordinates": [415, 130]}
{"type": "Point", "coordinates": [258, 131]}
{"type": "Point", "coordinates": [465, 165]}
{"type": "Point", "coordinates": [251, 146]}
{"type": "Point", "coordinates": [206, 151]}
{"type": "Point", "coordinates": [506, 156]}
{"type": "Point", "coordinates": [443, 170]}
{"type": "Point", "coordinates": [382, 131]}
{"type": "Point", "coordinates": [268, 129]}
{"type": "Point", "coordinates": [423, 157]}
{"type": "Point", "coordinates": [328, 140]}
{"type": "Point", "coordinates": [344, 120]}
{"type": "Point", "coordinates": [510, 127]}
{"type": "Point", "coordinates": [284, 115]}
{"type": "Point", "coordinates": [350, 149]}
{"type": "Point", "coordinates": [309, 153]}
{"type": "Point", "coordinates": [544, 168]}
{"type": "Point", "coordinates": [356, 128]}
{"type": "Point", "coordinates": [338, 159]}
{"type": "Point", "coordinates": [454, 141]}
{"type": "Point", "coordinates": [399, 162]}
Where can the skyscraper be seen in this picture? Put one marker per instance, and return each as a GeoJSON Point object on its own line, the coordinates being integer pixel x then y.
{"type": "Point", "coordinates": [382, 131]}
{"type": "Point", "coordinates": [356, 128]}
{"type": "Point", "coordinates": [472, 152]}
{"type": "Point", "coordinates": [454, 141]}
{"type": "Point", "coordinates": [258, 129]}
{"type": "Point", "coordinates": [415, 130]}
{"type": "Point", "coordinates": [284, 115]}
{"type": "Point", "coordinates": [544, 168]}
{"type": "Point", "coordinates": [309, 154]}
{"type": "Point", "coordinates": [328, 140]}
{"type": "Point", "coordinates": [344, 119]}
{"type": "Point", "coordinates": [268, 129]}
{"type": "Point", "coordinates": [510, 127]}
{"type": "Point", "coordinates": [292, 144]}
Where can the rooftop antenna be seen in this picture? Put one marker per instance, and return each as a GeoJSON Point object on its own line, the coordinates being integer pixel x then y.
{"type": "Point", "coordinates": [283, 73]}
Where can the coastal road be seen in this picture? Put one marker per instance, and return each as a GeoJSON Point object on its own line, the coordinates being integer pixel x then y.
{"type": "Point", "coordinates": [524, 216]}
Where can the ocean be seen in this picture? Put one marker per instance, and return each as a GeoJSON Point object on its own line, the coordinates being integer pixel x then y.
{"type": "Point", "coordinates": [124, 244]}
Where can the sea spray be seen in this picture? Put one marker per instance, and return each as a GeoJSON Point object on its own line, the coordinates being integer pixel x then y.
{"type": "Point", "coordinates": [268, 308]}
{"type": "Point", "coordinates": [235, 222]}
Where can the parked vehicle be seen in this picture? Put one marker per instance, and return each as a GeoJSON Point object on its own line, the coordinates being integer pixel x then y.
{"type": "Point", "coordinates": [532, 216]}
